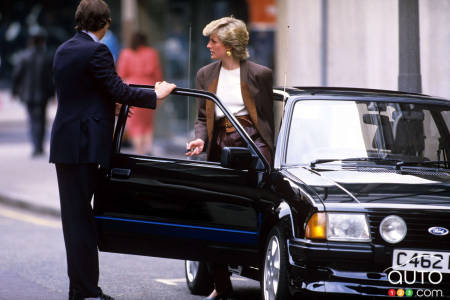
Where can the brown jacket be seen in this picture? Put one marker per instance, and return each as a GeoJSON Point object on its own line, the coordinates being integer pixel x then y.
{"type": "Point", "coordinates": [256, 89]}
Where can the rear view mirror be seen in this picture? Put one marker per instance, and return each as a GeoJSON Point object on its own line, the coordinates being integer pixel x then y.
{"type": "Point", "coordinates": [236, 158]}
{"type": "Point", "coordinates": [375, 119]}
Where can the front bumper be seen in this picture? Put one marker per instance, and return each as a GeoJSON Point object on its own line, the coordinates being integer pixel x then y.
{"type": "Point", "coordinates": [349, 269]}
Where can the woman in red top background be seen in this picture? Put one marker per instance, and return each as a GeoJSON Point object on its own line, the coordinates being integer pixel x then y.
{"type": "Point", "coordinates": [140, 64]}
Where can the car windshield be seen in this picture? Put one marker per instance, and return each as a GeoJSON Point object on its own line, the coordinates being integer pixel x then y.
{"type": "Point", "coordinates": [401, 133]}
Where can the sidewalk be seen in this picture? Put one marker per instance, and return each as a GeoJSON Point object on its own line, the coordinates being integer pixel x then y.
{"type": "Point", "coordinates": [25, 182]}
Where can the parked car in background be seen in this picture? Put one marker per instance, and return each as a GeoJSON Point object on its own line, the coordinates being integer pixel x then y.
{"type": "Point", "coordinates": [357, 201]}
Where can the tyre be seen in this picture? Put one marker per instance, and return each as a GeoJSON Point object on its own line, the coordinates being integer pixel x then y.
{"type": "Point", "coordinates": [274, 281]}
{"type": "Point", "coordinates": [197, 277]}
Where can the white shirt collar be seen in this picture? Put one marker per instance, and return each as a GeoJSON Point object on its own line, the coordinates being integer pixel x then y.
{"type": "Point", "coordinates": [93, 36]}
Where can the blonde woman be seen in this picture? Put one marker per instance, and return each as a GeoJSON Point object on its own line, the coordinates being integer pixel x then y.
{"type": "Point", "coordinates": [245, 88]}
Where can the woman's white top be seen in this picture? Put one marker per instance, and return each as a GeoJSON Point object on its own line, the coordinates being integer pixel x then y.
{"type": "Point", "coordinates": [229, 92]}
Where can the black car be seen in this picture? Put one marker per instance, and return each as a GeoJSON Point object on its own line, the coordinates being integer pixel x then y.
{"type": "Point", "coordinates": [357, 201]}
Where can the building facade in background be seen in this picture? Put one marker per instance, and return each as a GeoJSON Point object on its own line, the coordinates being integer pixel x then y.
{"type": "Point", "coordinates": [355, 43]}
{"type": "Point", "coordinates": [351, 43]}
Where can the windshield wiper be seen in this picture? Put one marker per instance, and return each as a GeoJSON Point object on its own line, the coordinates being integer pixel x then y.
{"type": "Point", "coordinates": [356, 159]}
{"type": "Point", "coordinates": [432, 163]}
{"type": "Point", "coordinates": [398, 163]}
{"type": "Point", "coordinates": [321, 161]}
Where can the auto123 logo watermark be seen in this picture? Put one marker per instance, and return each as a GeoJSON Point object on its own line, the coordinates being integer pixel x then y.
{"type": "Point", "coordinates": [400, 276]}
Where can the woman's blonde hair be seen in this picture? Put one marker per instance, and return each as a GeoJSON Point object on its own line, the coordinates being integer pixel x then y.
{"type": "Point", "coordinates": [232, 33]}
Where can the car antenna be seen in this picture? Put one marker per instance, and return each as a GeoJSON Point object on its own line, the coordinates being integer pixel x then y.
{"type": "Point", "coordinates": [285, 65]}
{"type": "Point", "coordinates": [189, 54]}
{"type": "Point", "coordinates": [285, 96]}
{"type": "Point", "coordinates": [189, 76]}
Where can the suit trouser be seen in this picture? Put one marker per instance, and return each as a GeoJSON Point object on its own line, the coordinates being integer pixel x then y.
{"type": "Point", "coordinates": [77, 183]}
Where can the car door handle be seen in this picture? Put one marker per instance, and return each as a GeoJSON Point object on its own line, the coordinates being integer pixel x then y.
{"type": "Point", "coordinates": [120, 173]}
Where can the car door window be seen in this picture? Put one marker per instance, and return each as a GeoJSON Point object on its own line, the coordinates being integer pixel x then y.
{"type": "Point", "coordinates": [163, 132]}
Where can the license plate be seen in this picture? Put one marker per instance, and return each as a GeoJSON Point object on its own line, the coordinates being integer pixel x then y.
{"type": "Point", "coordinates": [413, 260]}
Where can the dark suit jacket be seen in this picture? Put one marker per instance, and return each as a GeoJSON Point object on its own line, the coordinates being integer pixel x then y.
{"type": "Point", "coordinates": [256, 89]}
{"type": "Point", "coordinates": [87, 86]}
{"type": "Point", "coordinates": [32, 77]}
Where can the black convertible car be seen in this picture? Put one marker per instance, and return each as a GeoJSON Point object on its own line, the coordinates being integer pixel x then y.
{"type": "Point", "coordinates": [357, 201]}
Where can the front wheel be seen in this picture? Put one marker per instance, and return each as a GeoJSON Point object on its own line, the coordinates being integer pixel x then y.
{"type": "Point", "coordinates": [197, 278]}
{"type": "Point", "coordinates": [274, 278]}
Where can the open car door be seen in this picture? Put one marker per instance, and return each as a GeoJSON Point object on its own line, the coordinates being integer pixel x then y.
{"type": "Point", "coordinates": [168, 205]}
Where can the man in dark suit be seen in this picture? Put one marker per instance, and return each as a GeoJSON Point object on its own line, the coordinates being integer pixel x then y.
{"type": "Point", "coordinates": [87, 88]}
{"type": "Point", "coordinates": [32, 82]}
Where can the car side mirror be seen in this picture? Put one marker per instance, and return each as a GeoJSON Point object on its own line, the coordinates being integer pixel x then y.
{"type": "Point", "coordinates": [236, 158]}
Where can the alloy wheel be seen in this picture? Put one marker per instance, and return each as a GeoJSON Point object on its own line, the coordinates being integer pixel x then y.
{"type": "Point", "coordinates": [192, 269]}
{"type": "Point", "coordinates": [272, 269]}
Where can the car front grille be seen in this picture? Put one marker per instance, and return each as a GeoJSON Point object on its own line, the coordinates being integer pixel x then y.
{"type": "Point", "coordinates": [418, 223]}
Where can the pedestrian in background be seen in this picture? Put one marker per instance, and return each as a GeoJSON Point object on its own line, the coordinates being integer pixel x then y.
{"type": "Point", "coordinates": [32, 82]}
{"type": "Point", "coordinates": [140, 64]}
{"type": "Point", "coordinates": [87, 87]}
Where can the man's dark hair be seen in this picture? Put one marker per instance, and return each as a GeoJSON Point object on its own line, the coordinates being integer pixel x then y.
{"type": "Point", "coordinates": [92, 15]}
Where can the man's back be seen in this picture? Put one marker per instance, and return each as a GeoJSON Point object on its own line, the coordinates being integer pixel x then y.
{"type": "Point", "coordinates": [79, 92]}
{"type": "Point", "coordinates": [87, 87]}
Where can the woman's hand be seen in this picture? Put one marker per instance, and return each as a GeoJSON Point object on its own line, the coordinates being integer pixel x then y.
{"type": "Point", "coordinates": [194, 147]}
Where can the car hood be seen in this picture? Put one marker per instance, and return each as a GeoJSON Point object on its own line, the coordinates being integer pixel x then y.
{"type": "Point", "coordinates": [376, 186]}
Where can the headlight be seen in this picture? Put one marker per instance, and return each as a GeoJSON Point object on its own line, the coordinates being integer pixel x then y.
{"type": "Point", "coordinates": [338, 227]}
{"type": "Point", "coordinates": [393, 229]}
{"type": "Point", "coordinates": [347, 227]}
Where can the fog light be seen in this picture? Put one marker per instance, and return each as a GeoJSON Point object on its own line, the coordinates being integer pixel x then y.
{"type": "Point", "coordinates": [393, 229]}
